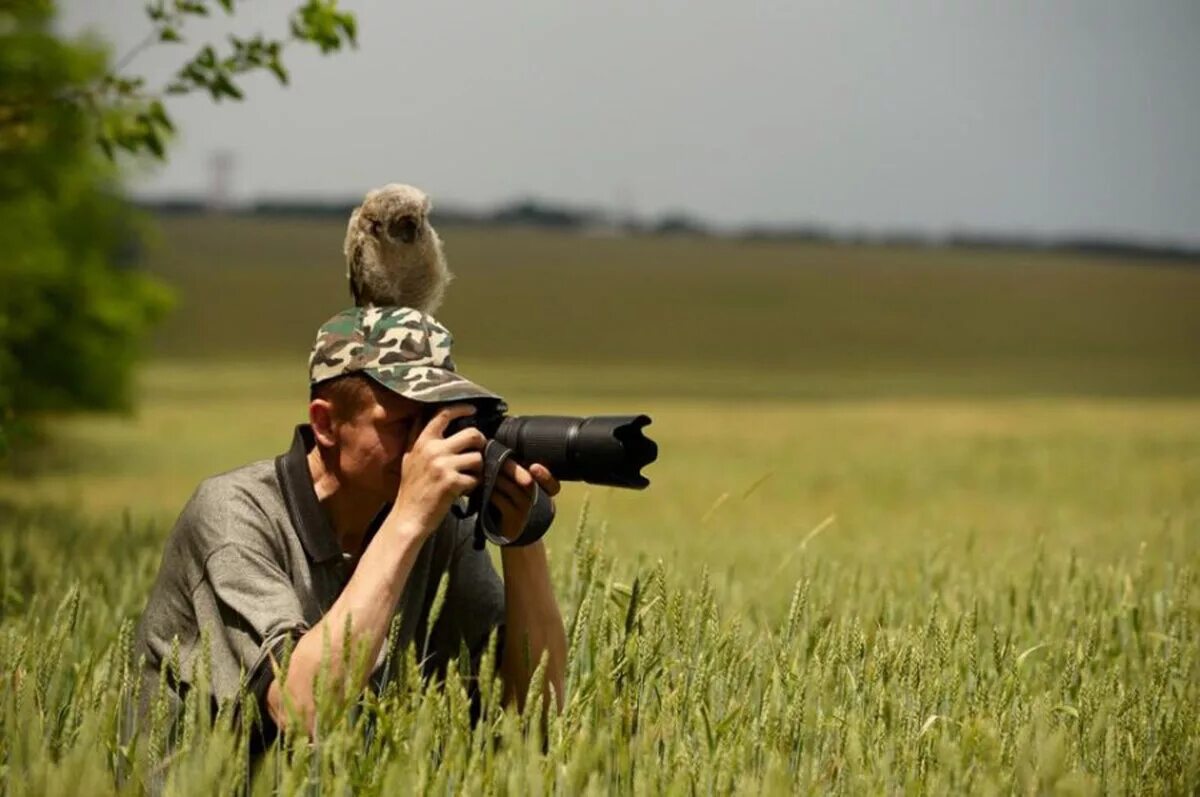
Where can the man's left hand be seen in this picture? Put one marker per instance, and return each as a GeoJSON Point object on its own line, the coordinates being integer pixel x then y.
{"type": "Point", "coordinates": [514, 494]}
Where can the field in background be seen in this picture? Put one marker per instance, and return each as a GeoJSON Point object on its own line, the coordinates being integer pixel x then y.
{"type": "Point", "coordinates": [983, 469]}
{"type": "Point", "coordinates": [725, 318]}
{"type": "Point", "coordinates": [921, 397]}
{"type": "Point", "coordinates": [737, 489]}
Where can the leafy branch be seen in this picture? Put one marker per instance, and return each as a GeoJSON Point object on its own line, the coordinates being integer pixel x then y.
{"type": "Point", "coordinates": [133, 119]}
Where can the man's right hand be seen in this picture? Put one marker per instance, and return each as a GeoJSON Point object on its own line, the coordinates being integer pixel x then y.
{"type": "Point", "coordinates": [436, 470]}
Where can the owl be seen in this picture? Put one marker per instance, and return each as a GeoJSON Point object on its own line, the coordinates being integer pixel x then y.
{"type": "Point", "coordinates": [393, 254]}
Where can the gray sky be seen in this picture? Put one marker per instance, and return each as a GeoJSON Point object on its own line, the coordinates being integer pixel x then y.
{"type": "Point", "coordinates": [1048, 117]}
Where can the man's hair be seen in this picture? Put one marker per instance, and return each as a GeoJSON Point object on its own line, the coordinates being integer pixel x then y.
{"type": "Point", "coordinates": [348, 394]}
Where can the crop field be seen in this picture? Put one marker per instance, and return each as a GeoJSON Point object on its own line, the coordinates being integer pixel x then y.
{"type": "Point", "coordinates": [924, 521]}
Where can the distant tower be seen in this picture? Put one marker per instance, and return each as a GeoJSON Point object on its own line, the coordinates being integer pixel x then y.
{"type": "Point", "coordinates": [625, 210]}
{"type": "Point", "coordinates": [220, 189]}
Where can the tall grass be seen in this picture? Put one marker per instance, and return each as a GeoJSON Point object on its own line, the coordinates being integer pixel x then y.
{"type": "Point", "coordinates": [922, 642]}
{"type": "Point", "coordinates": [1058, 677]}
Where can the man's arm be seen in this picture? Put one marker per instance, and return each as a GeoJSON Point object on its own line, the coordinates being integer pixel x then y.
{"type": "Point", "coordinates": [533, 623]}
{"type": "Point", "coordinates": [367, 604]}
{"type": "Point", "coordinates": [435, 471]}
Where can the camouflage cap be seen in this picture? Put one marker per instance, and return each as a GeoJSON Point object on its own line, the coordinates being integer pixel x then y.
{"type": "Point", "coordinates": [403, 349]}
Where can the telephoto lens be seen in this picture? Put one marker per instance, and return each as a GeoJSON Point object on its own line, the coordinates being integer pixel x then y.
{"type": "Point", "coordinates": [603, 449]}
{"type": "Point", "coordinates": [607, 450]}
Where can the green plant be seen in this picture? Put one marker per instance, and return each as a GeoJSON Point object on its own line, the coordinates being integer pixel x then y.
{"type": "Point", "coordinates": [1052, 678]}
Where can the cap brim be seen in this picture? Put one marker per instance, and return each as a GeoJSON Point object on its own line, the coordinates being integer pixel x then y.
{"type": "Point", "coordinates": [429, 384]}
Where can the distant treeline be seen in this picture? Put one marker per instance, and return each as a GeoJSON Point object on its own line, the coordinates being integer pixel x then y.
{"type": "Point", "coordinates": [537, 213]}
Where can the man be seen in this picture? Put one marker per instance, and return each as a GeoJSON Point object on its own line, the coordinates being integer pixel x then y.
{"type": "Point", "coordinates": [349, 529]}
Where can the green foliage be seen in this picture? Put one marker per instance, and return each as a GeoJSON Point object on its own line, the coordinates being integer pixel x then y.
{"type": "Point", "coordinates": [921, 643]}
{"type": "Point", "coordinates": [133, 117]}
{"type": "Point", "coordinates": [1051, 678]}
{"type": "Point", "coordinates": [73, 310]}
{"type": "Point", "coordinates": [72, 313]}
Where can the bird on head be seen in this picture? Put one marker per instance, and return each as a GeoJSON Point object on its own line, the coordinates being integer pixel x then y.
{"type": "Point", "coordinates": [393, 254]}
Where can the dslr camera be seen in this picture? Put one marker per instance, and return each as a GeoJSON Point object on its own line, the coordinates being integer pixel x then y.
{"type": "Point", "coordinates": [604, 449]}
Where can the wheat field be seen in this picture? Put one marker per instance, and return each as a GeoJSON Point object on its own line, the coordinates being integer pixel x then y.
{"type": "Point", "coordinates": [923, 522]}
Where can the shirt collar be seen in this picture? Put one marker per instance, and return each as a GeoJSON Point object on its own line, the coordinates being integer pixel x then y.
{"type": "Point", "coordinates": [308, 519]}
{"type": "Point", "coordinates": [310, 522]}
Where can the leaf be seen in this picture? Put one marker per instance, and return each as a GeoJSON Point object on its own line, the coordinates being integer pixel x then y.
{"type": "Point", "coordinates": [759, 482]}
{"type": "Point", "coordinates": [631, 612]}
{"type": "Point", "coordinates": [223, 86]}
{"type": "Point", "coordinates": [129, 143]}
{"type": "Point", "coordinates": [169, 34]}
{"type": "Point", "coordinates": [929, 722]}
{"type": "Point", "coordinates": [153, 142]}
{"type": "Point", "coordinates": [159, 114]}
{"type": "Point", "coordinates": [646, 609]}
{"type": "Point", "coordinates": [1065, 709]}
{"type": "Point", "coordinates": [277, 69]}
{"type": "Point", "coordinates": [724, 725]}
{"type": "Point", "coordinates": [1025, 654]}
{"type": "Point", "coordinates": [708, 731]}
{"type": "Point", "coordinates": [349, 25]}
{"type": "Point", "coordinates": [191, 7]}
{"type": "Point", "coordinates": [712, 510]}
{"type": "Point", "coordinates": [195, 74]}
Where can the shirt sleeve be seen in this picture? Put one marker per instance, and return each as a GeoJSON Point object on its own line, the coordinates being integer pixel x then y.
{"type": "Point", "coordinates": [242, 594]}
{"type": "Point", "coordinates": [257, 601]}
{"type": "Point", "coordinates": [260, 616]}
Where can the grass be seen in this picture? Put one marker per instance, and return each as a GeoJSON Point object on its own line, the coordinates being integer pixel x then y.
{"type": "Point", "coordinates": [922, 521]}
{"type": "Point", "coordinates": [737, 485]}
{"type": "Point", "coordinates": [1063, 675]}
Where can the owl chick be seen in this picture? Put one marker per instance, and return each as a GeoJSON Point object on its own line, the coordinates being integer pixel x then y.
{"type": "Point", "coordinates": [393, 255]}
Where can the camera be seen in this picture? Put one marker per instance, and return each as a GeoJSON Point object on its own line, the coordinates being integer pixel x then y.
{"type": "Point", "coordinates": [605, 449]}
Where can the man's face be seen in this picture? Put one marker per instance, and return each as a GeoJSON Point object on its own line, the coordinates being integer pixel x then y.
{"type": "Point", "coordinates": [371, 442]}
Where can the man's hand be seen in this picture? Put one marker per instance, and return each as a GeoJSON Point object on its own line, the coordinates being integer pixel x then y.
{"type": "Point", "coordinates": [514, 494]}
{"type": "Point", "coordinates": [436, 470]}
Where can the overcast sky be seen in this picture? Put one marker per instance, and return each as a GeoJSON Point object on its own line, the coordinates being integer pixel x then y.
{"type": "Point", "coordinates": [1046, 117]}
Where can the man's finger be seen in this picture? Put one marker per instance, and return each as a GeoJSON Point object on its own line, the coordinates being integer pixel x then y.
{"type": "Point", "coordinates": [436, 428]}
{"type": "Point", "coordinates": [545, 478]}
{"type": "Point", "coordinates": [470, 439]}
{"type": "Point", "coordinates": [467, 483]}
{"type": "Point", "coordinates": [467, 462]}
{"type": "Point", "coordinates": [521, 477]}
{"type": "Point", "coordinates": [510, 489]}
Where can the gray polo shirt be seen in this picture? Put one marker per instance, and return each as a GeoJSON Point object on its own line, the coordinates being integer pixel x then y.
{"type": "Point", "coordinates": [253, 562]}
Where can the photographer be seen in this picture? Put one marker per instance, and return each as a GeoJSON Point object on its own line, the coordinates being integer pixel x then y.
{"type": "Point", "coordinates": [349, 529]}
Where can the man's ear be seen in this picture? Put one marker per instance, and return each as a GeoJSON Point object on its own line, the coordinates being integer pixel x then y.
{"type": "Point", "coordinates": [320, 417]}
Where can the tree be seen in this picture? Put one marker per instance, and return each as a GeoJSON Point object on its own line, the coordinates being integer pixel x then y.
{"type": "Point", "coordinates": [74, 312]}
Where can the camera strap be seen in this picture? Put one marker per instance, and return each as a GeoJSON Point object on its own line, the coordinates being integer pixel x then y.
{"type": "Point", "coordinates": [487, 517]}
